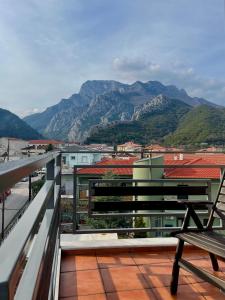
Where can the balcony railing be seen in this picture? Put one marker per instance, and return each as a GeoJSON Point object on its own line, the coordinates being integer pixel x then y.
{"type": "Point", "coordinates": [29, 254]}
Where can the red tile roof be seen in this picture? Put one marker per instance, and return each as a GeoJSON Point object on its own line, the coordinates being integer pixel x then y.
{"type": "Point", "coordinates": [194, 159]}
{"type": "Point", "coordinates": [129, 144]}
{"type": "Point", "coordinates": [45, 142]}
{"type": "Point", "coordinates": [112, 161]}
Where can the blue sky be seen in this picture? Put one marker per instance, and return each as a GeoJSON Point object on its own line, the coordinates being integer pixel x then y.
{"type": "Point", "coordinates": [48, 48]}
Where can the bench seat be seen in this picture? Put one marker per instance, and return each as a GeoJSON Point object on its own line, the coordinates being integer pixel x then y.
{"type": "Point", "coordinates": [211, 242]}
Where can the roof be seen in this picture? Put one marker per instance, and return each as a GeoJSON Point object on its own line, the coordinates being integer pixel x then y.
{"type": "Point", "coordinates": [111, 161]}
{"type": "Point", "coordinates": [194, 159]}
{"type": "Point", "coordinates": [45, 142]}
{"type": "Point", "coordinates": [129, 144]}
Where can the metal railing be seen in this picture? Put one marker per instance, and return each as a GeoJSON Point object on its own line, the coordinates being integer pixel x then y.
{"type": "Point", "coordinates": [28, 255]}
{"type": "Point", "coordinates": [140, 154]}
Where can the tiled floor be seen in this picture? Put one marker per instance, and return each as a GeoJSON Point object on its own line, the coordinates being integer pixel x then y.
{"type": "Point", "coordinates": [132, 275]}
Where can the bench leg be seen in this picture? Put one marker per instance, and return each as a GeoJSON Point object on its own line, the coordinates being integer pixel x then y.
{"type": "Point", "coordinates": [214, 262]}
{"type": "Point", "coordinates": [176, 268]}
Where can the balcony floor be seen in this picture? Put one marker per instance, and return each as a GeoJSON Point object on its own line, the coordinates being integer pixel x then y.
{"type": "Point", "coordinates": [135, 274]}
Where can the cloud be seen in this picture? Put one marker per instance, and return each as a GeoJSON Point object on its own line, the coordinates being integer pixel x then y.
{"type": "Point", "coordinates": [28, 112]}
{"type": "Point", "coordinates": [177, 73]}
{"type": "Point", "coordinates": [49, 48]}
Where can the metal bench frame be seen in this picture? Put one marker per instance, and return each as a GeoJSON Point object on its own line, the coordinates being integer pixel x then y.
{"type": "Point", "coordinates": [203, 238]}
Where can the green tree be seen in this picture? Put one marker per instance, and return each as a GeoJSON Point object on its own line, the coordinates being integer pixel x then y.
{"type": "Point", "coordinates": [139, 223]}
{"type": "Point", "coordinates": [36, 186]}
{"type": "Point", "coordinates": [49, 148]}
{"type": "Point", "coordinates": [109, 222]}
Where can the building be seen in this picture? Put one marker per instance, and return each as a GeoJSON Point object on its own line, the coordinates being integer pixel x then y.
{"type": "Point", "coordinates": [11, 148]}
{"type": "Point", "coordinates": [180, 177]}
{"type": "Point", "coordinates": [129, 146]}
{"type": "Point", "coordinates": [40, 146]}
{"type": "Point", "coordinates": [98, 172]}
{"type": "Point", "coordinates": [79, 155]}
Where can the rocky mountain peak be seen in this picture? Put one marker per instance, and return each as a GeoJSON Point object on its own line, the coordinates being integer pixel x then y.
{"type": "Point", "coordinates": [104, 102]}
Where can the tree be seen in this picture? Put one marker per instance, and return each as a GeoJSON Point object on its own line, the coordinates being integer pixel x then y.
{"type": "Point", "coordinates": [109, 222]}
{"type": "Point", "coordinates": [49, 148]}
{"type": "Point", "coordinates": [139, 223]}
{"type": "Point", "coordinates": [36, 186]}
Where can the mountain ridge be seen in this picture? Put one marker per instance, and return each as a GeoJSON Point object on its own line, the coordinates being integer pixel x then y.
{"type": "Point", "coordinates": [102, 102]}
{"type": "Point", "coordinates": [12, 126]}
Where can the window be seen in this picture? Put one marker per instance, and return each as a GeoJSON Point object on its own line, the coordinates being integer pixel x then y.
{"type": "Point", "coordinates": [73, 157]}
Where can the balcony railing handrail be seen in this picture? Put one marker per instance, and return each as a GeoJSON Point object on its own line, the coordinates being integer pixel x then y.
{"type": "Point", "coordinates": [37, 219]}
{"type": "Point", "coordinates": [13, 171]}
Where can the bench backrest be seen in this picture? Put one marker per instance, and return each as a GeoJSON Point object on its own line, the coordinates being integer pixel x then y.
{"type": "Point", "coordinates": [218, 209]}
{"type": "Point", "coordinates": [121, 206]}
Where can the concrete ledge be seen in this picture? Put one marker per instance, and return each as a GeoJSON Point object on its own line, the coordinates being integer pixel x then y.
{"type": "Point", "coordinates": [96, 241]}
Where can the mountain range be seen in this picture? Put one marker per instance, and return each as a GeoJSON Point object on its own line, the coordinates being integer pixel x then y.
{"type": "Point", "coordinates": [105, 108]}
{"type": "Point", "coordinates": [12, 126]}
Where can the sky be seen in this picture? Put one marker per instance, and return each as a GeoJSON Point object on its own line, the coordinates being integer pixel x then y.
{"type": "Point", "coordinates": [48, 48]}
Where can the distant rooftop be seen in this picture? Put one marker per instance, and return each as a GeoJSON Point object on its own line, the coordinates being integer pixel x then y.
{"type": "Point", "coordinates": [194, 159]}
{"type": "Point", "coordinates": [45, 142]}
{"type": "Point", "coordinates": [111, 161]}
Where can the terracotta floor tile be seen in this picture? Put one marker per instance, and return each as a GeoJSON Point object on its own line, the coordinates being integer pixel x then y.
{"type": "Point", "coordinates": [108, 261]}
{"type": "Point", "coordinates": [85, 262]}
{"type": "Point", "coordinates": [68, 263]}
{"type": "Point", "coordinates": [150, 258]}
{"type": "Point", "coordinates": [160, 275]}
{"type": "Point", "coordinates": [123, 278]}
{"type": "Point", "coordinates": [209, 291]}
{"type": "Point", "coordinates": [67, 285]}
{"type": "Point", "coordinates": [132, 295]}
{"type": "Point", "coordinates": [80, 283]}
{"type": "Point", "coordinates": [185, 292]}
{"type": "Point", "coordinates": [87, 297]}
{"type": "Point", "coordinates": [89, 282]}
{"type": "Point", "coordinates": [78, 262]}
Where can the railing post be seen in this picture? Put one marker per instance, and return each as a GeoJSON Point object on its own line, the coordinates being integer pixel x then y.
{"type": "Point", "coordinates": [58, 164]}
{"type": "Point", "coordinates": [30, 189]}
{"type": "Point", "coordinates": [3, 216]}
{"type": "Point", "coordinates": [50, 175]}
{"type": "Point", "coordinates": [74, 199]}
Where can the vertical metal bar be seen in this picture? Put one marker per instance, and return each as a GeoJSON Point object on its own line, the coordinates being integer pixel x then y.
{"type": "Point", "coordinates": [30, 190]}
{"type": "Point", "coordinates": [8, 151]}
{"type": "Point", "coordinates": [59, 183]}
{"type": "Point", "coordinates": [74, 199]}
{"type": "Point", "coordinates": [90, 184]}
{"type": "Point", "coordinates": [58, 164]}
{"type": "Point", "coordinates": [3, 215]}
{"type": "Point", "coordinates": [50, 175]}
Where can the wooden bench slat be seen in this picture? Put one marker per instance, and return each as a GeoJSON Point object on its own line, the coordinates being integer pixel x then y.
{"type": "Point", "coordinates": [214, 243]}
{"type": "Point", "coordinates": [148, 190]}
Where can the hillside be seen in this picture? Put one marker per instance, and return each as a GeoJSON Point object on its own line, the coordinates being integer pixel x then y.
{"type": "Point", "coordinates": [174, 125]}
{"type": "Point", "coordinates": [152, 123]}
{"type": "Point", "coordinates": [102, 103]}
{"type": "Point", "coordinates": [202, 124]}
{"type": "Point", "coordinates": [13, 126]}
